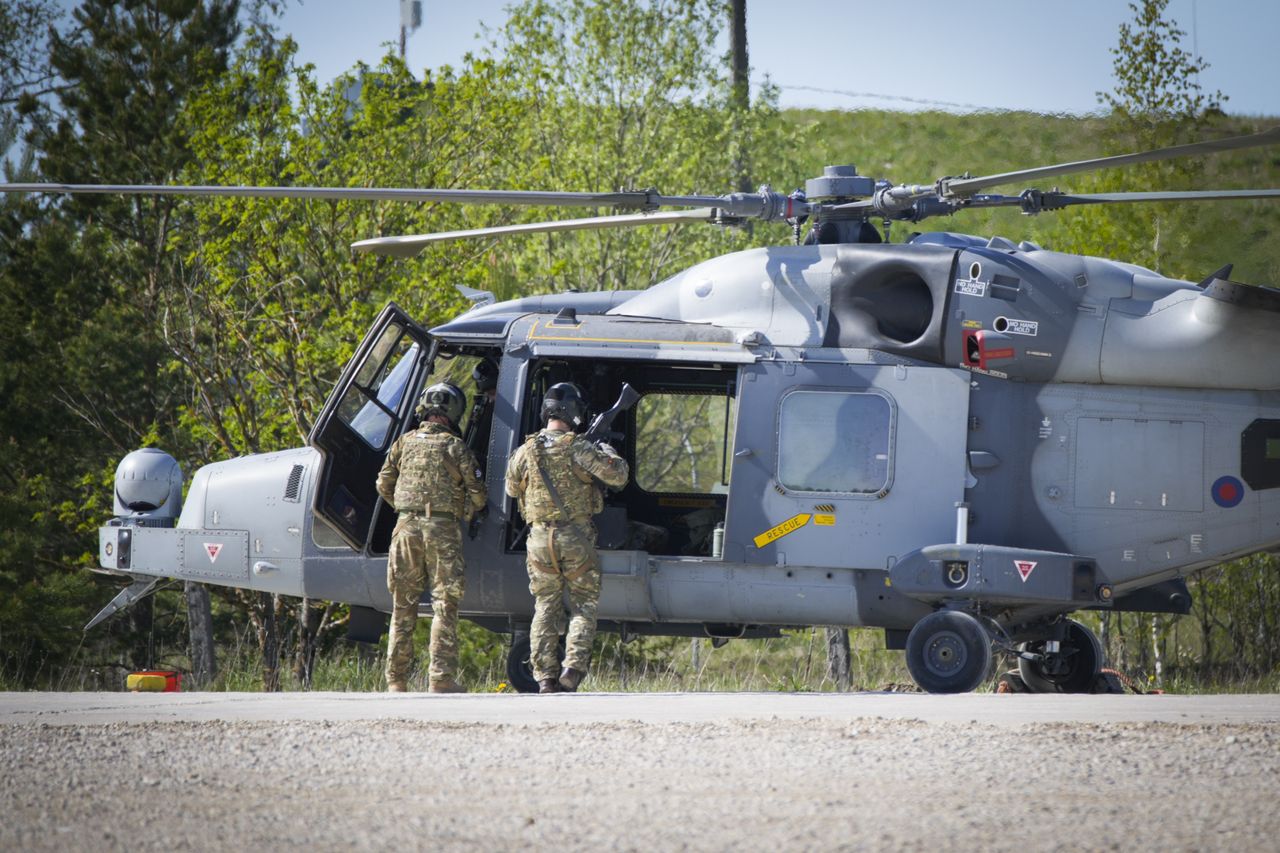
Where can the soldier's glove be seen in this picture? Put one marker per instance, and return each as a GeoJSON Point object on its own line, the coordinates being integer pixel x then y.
{"type": "Point", "coordinates": [473, 528]}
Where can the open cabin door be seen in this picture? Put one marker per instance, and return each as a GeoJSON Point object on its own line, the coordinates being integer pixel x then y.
{"type": "Point", "coordinates": [363, 415]}
{"type": "Point", "coordinates": [845, 465]}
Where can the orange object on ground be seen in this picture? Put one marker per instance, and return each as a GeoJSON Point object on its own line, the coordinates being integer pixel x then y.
{"type": "Point", "coordinates": [157, 681]}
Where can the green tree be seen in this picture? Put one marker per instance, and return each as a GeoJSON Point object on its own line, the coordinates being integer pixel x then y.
{"type": "Point", "coordinates": [84, 373]}
{"type": "Point", "coordinates": [1157, 102]}
{"type": "Point", "coordinates": [617, 95]}
{"type": "Point", "coordinates": [25, 73]}
{"type": "Point", "coordinates": [280, 300]}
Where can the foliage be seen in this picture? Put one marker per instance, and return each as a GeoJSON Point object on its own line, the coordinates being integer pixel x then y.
{"type": "Point", "coordinates": [1157, 102]}
{"type": "Point", "coordinates": [680, 442]}
{"type": "Point", "coordinates": [620, 95]}
{"type": "Point", "coordinates": [280, 301]}
{"type": "Point", "coordinates": [25, 74]}
{"type": "Point", "coordinates": [84, 375]}
{"type": "Point", "coordinates": [795, 661]}
{"type": "Point", "coordinates": [1157, 82]}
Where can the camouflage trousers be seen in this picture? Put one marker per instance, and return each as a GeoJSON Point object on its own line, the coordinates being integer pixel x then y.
{"type": "Point", "coordinates": [560, 559]}
{"type": "Point", "coordinates": [425, 551]}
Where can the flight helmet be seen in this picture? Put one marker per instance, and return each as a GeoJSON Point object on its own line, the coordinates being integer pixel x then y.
{"type": "Point", "coordinates": [565, 401]}
{"type": "Point", "coordinates": [443, 398]}
{"type": "Point", "coordinates": [485, 375]}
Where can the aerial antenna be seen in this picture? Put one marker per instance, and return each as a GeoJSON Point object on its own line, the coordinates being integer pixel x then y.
{"type": "Point", "coordinates": [410, 20]}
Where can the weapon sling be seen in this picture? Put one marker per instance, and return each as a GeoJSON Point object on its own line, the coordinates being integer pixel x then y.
{"type": "Point", "coordinates": [551, 487]}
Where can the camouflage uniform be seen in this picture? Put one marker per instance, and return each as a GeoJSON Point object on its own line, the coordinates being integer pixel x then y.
{"type": "Point", "coordinates": [562, 550]}
{"type": "Point", "coordinates": [432, 480]}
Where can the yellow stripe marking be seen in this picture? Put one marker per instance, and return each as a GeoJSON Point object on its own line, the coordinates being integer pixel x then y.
{"type": "Point", "coordinates": [534, 336]}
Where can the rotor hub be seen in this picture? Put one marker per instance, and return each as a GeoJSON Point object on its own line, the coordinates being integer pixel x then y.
{"type": "Point", "coordinates": [839, 182]}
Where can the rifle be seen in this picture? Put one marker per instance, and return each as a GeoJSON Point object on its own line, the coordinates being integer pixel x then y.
{"type": "Point", "coordinates": [601, 425]}
{"type": "Point", "coordinates": [476, 408]}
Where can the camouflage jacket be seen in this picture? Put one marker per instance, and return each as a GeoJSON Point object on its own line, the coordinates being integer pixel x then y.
{"type": "Point", "coordinates": [431, 470]}
{"type": "Point", "coordinates": [573, 466]}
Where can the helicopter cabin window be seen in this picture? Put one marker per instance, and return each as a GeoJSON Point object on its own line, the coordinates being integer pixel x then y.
{"type": "Point", "coordinates": [371, 401]}
{"type": "Point", "coordinates": [682, 443]}
{"type": "Point", "coordinates": [835, 442]}
{"type": "Point", "coordinates": [1260, 454]}
{"type": "Point", "coordinates": [475, 373]}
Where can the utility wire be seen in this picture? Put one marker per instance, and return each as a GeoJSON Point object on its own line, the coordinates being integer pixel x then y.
{"type": "Point", "coordinates": [882, 97]}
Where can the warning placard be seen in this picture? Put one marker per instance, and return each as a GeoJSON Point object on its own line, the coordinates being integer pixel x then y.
{"type": "Point", "coordinates": [793, 523]}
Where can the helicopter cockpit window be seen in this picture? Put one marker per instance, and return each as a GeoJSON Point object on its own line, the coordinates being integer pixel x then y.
{"type": "Point", "coordinates": [682, 441]}
{"type": "Point", "coordinates": [370, 403]}
{"type": "Point", "coordinates": [835, 442]}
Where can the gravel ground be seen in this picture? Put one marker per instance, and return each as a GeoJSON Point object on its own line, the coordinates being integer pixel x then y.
{"type": "Point", "coordinates": [861, 784]}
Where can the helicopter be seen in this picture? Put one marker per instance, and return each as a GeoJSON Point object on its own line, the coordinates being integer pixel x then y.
{"type": "Point", "coordinates": [961, 441]}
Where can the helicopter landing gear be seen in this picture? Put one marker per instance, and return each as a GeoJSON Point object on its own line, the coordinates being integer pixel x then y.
{"type": "Point", "coordinates": [1072, 668]}
{"type": "Point", "coordinates": [519, 670]}
{"type": "Point", "coordinates": [948, 652]}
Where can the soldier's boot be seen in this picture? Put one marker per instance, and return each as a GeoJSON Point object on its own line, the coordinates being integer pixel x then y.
{"type": "Point", "coordinates": [570, 678]}
{"type": "Point", "coordinates": [396, 687]}
{"type": "Point", "coordinates": [549, 685]}
{"type": "Point", "coordinates": [447, 686]}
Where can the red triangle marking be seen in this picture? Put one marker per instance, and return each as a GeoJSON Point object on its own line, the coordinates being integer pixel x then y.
{"type": "Point", "coordinates": [215, 548]}
{"type": "Point", "coordinates": [1024, 568]}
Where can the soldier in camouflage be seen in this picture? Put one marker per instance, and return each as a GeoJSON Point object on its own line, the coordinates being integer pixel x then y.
{"type": "Point", "coordinates": [556, 477]}
{"type": "Point", "coordinates": [434, 483]}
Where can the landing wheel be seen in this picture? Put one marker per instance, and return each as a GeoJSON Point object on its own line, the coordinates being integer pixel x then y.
{"type": "Point", "coordinates": [519, 670]}
{"type": "Point", "coordinates": [948, 652]}
{"type": "Point", "coordinates": [1072, 669]}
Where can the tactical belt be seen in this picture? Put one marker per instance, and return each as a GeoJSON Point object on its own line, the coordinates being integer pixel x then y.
{"type": "Point", "coordinates": [569, 576]}
{"type": "Point", "coordinates": [428, 512]}
{"type": "Point", "coordinates": [555, 569]}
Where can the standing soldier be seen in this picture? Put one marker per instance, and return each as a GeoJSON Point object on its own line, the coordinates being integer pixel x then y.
{"type": "Point", "coordinates": [432, 480]}
{"type": "Point", "coordinates": [554, 475]}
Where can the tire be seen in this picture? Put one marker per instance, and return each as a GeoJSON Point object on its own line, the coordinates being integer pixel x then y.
{"type": "Point", "coordinates": [948, 652]}
{"type": "Point", "coordinates": [1082, 655]}
{"type": "Point", "coordinates": [519, 670]}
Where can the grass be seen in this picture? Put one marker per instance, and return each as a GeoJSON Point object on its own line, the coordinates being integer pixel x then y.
{"type": "Point", "coordinates": [794, 662]}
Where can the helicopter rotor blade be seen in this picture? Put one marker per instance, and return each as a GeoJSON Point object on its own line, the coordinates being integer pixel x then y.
{"type": "Point", "coordinates": [1055, 200]}
{"type": "Point", "coordinates": [409, 245]}
{"type": "Point", "coordinates": [913, 205]}
{"type": "Point", "coordinates": [953, 187]}
{"type": "Point", "coordinates": [765, 204]}
{"type": "Point", "coordinates": [636, 199]}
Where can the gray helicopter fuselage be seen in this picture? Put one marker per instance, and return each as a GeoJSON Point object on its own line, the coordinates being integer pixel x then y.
{"type": "Point", "coordinates": [912, 426]}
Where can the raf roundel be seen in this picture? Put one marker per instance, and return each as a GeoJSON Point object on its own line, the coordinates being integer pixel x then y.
{"type": "Point", "coordinates": [1227, 492]}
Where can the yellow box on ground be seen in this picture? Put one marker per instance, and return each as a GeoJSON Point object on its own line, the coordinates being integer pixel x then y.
{"type": "Point", "coordinates": [154, 682]}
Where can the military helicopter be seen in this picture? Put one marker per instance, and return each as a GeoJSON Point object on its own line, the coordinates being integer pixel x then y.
{"type": "Point", "coordinates": [958, 440]}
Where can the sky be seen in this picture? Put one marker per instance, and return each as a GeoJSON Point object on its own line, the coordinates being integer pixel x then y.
{"type": "Point", "coordinates": [1046, 56]}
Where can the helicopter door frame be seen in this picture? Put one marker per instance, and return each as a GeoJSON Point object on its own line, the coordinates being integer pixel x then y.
{"type": "Point", "coordinates": [364, 414]}
{"type": "Point", "coordinates": [806, 493]}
